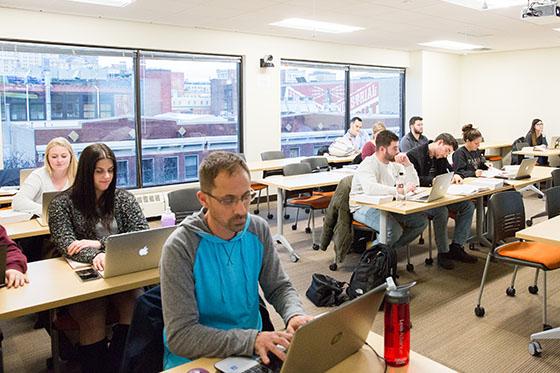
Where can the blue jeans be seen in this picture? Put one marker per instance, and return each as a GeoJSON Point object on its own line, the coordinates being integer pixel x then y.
{"type": "Point", "coordinates": [401, 229]}
{"type": "Point", "coordinates": [463, 220]}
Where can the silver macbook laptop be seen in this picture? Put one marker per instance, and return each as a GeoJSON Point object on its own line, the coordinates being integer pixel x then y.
{"type": "Point", "coordinates": [328, 339]}
{"type": "Point", "coordinates": [134, 251]}
{"type": "Point", "coordinates": [523, 172]}
{"type": "Point", "coordinates": [47, 199]}
{"type": "Point", "coordinates": [440, 184]}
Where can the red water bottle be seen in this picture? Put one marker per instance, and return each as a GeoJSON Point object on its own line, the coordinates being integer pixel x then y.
{"type": "Point", "coordinates": [397, 324]}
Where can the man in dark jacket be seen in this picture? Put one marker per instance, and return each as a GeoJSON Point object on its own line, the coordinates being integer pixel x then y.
{"type": "Point", "coordinates": [415, 137]}
{"type": "Point", "coordinates": [430, 160]}
{"type": "Point", "coordinates": [16, 262]}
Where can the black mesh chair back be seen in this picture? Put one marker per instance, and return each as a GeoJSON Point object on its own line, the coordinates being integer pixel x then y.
{"type": "Point", "coordinates": [553, 201]}
{"type": "Point", "coordinates": [317, 164]}
{"type": "Point", "coordinates": [184, 202]}
{"type": "Point", "coordinates": [507, 213]}
{"type": "Point", "coordinates": [273, 154]}
{"type": "Point", "coordinates": [296, 169]}
{"type": "Point", "coordinates": [556, 177]}
{"type": "Point", "coordinates": [518, 144]}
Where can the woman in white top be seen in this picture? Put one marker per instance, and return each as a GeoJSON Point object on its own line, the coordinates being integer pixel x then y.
{"type": "Point", "coordinates": [57, 174]}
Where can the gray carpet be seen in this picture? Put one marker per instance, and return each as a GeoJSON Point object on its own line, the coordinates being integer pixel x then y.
{"type": "Point", "coordinates": [444, 325]}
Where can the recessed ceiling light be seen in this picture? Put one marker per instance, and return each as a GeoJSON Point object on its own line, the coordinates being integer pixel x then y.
{"type": "Point", "coordinates": [451, 45]}
{"type": "Point", "coordinates": [115, 3]}
{"type": "Point", "coordinates": [308, 24]}
{"type": "Point", "coordinates": [487, 4]}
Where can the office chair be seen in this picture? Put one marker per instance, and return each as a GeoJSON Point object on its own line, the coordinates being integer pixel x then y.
{"type": "Point", "coordinates": [184, 202]}
{"type": "Point", "coordinates": [258, 187]}
{"type": "Point", "coordinates": [308, 200]}
{"type": "Point", "coordinates": [555, 182]}
{"type": "Point", "coordinates": [508, 216]}
{"type": "Point", "coordinates": [268, 156]}
{"type": "Point", "coordinates": [318, 164]}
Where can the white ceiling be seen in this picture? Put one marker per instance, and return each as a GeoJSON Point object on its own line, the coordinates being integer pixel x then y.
{"type": "Point", "coordinates": [394, 24]}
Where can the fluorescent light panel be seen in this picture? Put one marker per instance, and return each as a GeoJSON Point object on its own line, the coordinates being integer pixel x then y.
{"type": "Point", "coordinates": [451, 45]}
{"type": "Point", "coordinates": [488, 4]}
{"type": "Point", "coordinates": [308, 24]}
{"type": "Point", "coordinates": [115, 3]}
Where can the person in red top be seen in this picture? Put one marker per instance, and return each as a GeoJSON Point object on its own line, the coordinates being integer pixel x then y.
{"type": "Point", "coordinates": [16, 262]}
{"type": "Point", "coordinates": [369, 147]}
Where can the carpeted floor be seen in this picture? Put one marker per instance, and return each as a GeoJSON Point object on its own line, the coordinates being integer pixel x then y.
{"type": "Point", "coordinates": [442, 311]}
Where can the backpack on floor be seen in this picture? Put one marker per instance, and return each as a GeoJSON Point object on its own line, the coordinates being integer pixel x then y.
{"type": "Point", "coordinates": [375, 266]}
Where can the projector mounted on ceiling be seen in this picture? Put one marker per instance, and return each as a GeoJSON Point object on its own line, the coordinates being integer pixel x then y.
{"type": "Point", "coordinates": [541, 12]}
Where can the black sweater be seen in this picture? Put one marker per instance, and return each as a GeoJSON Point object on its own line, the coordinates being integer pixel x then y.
{"type": "Point", "coordinates": [426, 167]}
{"type": "Point", "coordinates": [466, 163]}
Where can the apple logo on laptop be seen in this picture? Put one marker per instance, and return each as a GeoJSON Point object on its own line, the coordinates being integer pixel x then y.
{"type": "Point", "coordinates": [143, 251]}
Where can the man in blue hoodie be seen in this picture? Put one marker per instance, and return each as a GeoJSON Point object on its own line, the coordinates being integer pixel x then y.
{"type": "Point", "coordinates": [211, 269]}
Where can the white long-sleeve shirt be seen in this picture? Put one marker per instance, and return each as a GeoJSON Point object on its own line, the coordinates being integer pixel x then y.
{"type": "Point", "coordinates": [377, 178]}
{"type": "Point", "coordinates": [29, 198]}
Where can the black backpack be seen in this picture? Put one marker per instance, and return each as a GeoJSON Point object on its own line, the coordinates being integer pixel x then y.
{"type": "Point", "coordinates": [375, 266]}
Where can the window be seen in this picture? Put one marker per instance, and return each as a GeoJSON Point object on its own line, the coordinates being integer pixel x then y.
{"type": "Point", "coordinates": [317, 106]}
{"type": "Point", "coordinates": [170, 169]}
{"type": "Point", "coordinates": [191, 167]}
{"type": "Point", "coordinates": [376, 95]}
{"type": "Point", "coordinates": [148, 172]}
{"type": "Point", "coordinates": [190, 106]}
{"type": "Point", "coordinates": [122, 172]}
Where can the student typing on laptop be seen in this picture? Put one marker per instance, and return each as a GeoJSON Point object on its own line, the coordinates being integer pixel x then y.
{"type": "Point", "coordinates": [15, 262]}
{"type": "Point", "coordinates": [376, 175]}
{"type": "Point", "coordinates": [430, 160]}
{"type": "Point", "coordinates": [211, 270]}
{"type": "Point", "coordinates": [80, 220]}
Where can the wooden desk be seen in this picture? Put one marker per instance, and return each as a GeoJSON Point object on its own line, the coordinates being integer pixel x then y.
{"type": "Point", "coordinates": [363, 361]}
{"type": "Point", "coordinates": [539, 173]}
{"type": "Point", "coordinates": [6, 200]}
{"type": "Point", "coordinates": [277, 164]}
{"type": "Point", "coordinates": [492, 145]}
{"type": "Point", "coordinates": [546, 231]}
{"type": "Point", "coordinates": [538, 153]}
{"type": "Point", "coordinates": [297, 182]}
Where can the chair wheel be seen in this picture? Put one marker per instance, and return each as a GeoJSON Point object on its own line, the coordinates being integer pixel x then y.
{"type": "Point", "coordinates": [307, 230]}
{"type": "Point", "coordinates": [533, 289]}
{"type": "Point", "coordinates": [333, 266]}
{"type": "Point", "coordinates": [479, 311]}
{"type": "Point", "coordinates": [539, 196]}
{"type": "Point", "coordinates": [535, 348]}
{"type": "Point", "coordinates": [294, 227]}
{"type": "Point", "coordinates": [256, 212]}
{"type": "Point", "coordinates": [294, 258]}
{"type": "Point", "coordinates": [307, 211]}
{"type": "Point", "coordinates": [546, 327]}
{"type": "Point", "coordinates": [429, 261]}
{"type": "Point", "coordinates": [421, 241]}
{"type": "Point", "coordinates": [315, 247]}
{"type": "Point", "coordinates": [410, 267]}
{"type": "Point", "coordinates": [529, 222]}
{"type": "Point", "coordinates": [510, 292]}
{"type": "Point", "coordinates": [270, 216]}
{"type": "Point", "coordinates": [286, 216]}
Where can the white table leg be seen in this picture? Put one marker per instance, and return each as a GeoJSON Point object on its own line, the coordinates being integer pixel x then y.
{"type": "Point", "coordinates": [480, 223]}
{"type": "Point", "coordinates": [383, 226]}
{"type": "Point", "coordinates": [279, 236]}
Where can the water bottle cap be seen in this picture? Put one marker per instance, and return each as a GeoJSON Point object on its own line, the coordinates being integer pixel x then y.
{"type": "Point", "coordinates": [400, 294]}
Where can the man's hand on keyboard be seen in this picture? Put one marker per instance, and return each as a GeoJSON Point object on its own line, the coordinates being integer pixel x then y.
{"type": "Point", "coordinates": [267, 341]}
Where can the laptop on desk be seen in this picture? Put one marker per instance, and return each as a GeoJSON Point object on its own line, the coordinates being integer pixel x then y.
{"type": "Point", "coordinates": [523, 172]}
{"type": "Point", "coordinates": [46, 201]}
{"type": "Point", "coordinates": [134, 251]}
{"type": "Point", "coordinates": [323, 342]}
{"type": "Point", "coordinates": [440, 184]}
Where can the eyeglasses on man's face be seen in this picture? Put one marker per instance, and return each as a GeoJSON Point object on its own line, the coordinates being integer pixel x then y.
{"type": "Point", "coordinates": [230, 201]}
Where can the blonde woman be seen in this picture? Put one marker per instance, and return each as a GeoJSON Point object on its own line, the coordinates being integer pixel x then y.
{"type": "Point", "coordinates": [57, 174]}
{"type": "Point", "coordinates": [369, 147]}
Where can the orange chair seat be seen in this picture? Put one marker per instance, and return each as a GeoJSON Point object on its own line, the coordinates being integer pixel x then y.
{"type": "Point", "coordinates": [493, 158]}
{"type": "Point", "coordinates": [315, 201]}
{"type": "Point", "coordinates": [258, 186]}
{"type": "Point", "coordinates": [324, 194]}
{"type": "Point", "coordinates": [356, 224]}
{"type": "Point", "coordinates": [534, 252]}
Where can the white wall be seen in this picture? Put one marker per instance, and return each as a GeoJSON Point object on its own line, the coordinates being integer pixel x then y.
{"type": "Point", "coordinates": [503, 92]}
{"type": "Point", "coordinates": [261, 88]}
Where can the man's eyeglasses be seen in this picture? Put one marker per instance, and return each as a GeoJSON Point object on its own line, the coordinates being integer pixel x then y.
{"type": "Point", "coordinates": [230, 201]}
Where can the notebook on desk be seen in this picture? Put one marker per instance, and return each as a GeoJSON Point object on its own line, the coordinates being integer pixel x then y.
{"type": "Point", "coordinates": [323, 342]}
{"type": "Point", "coordinates": [46, 201]}
{"type": "Point", "coordinates": [523, 172]}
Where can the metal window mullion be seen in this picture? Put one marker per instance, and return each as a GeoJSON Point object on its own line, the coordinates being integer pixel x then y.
{"type": "Point", "coordinates": [138, 117]}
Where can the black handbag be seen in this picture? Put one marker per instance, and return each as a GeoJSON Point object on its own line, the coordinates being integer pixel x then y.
{"type": "Point", "coordinates": [325, 291]}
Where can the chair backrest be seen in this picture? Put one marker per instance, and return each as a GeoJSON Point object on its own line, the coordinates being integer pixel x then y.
{"type": "Point", "coordinates": [553, 201]}
{"type": "Point", "coordinates": [556, 177]}
{"type": "Point", "coordinates": [272, 154]}
{"type": "Point", "coordinates": [317, 164]}
{"type": "Point", "coordinates": [184, 202]}
{"type": "Point", "coordinates": [507, 213]}
{"type": "Point", "coordinates": [296, 169]}
{"type": "Point", "coordinates": [518, 144]}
